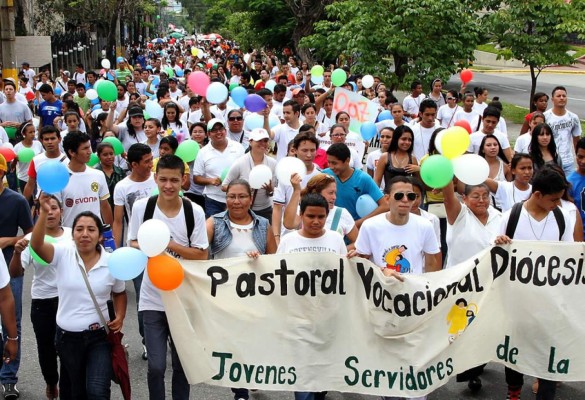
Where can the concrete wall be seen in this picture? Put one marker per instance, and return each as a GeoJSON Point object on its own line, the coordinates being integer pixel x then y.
{"type": "Point", "coordinates": [490, 59]}
{"type": "Point", "coordinates": [36, 50]}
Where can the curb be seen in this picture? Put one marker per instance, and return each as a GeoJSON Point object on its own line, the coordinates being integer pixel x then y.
{"type": "Point", "coordinates": [521, 70]}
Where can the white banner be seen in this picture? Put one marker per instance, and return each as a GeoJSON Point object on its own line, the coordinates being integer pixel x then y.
{"type": "Point", "coordinates": [359, 108]}
{"type": "Point", "coordinates": [314, 322]}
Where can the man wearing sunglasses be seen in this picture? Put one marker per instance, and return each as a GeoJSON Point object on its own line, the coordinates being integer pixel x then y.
{"type": "Point", "coordinates": [397, 241]}
{"type": "Point", "coordinates": [235, 129]}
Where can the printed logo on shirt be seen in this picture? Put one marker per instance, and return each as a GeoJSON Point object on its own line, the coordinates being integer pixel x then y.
{"type": "Point", "coordinates": [94, 187]}
{"type": "Point", "coordinates": [395, 259]}
{"type": "Point", "coordinates": [71, 202]}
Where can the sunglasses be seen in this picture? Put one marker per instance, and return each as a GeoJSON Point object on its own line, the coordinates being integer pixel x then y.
{"type": "Point", "coordinates": [451, 98]}
{"type": "Point", "coordinates": [232, 119]}
{"type": "Point", "coordinates": [411, 196]}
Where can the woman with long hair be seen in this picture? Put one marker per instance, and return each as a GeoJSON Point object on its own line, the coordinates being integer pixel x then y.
{"type": "Point", "coordinates": [113, 173]}
{"type": "Point", "coordinates": [130, 132]}
{"type": "Point", "coordinates": [152, 130]}
{"type": "Point", "coordinates": [543, 148]}
{"type": "Point", "coordinates": [171, 122]}
{"type": "Point", "coordinates": [398, 160]}
{"type": "Point", "coordinates": [522, 144]}
{"type": "Point", "coordinates": [509, 193]}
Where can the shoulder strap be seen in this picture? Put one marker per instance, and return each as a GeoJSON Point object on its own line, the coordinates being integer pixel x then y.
{"type": "Point", "coordinates": [478, 123]}
{"type": "Point", "coordinates": [95, 304]}
{"type": "Point", "coordinates": [513, 220]}
{"type": "Point", "coordinates": [336, 218]}
{"type": "Point", "coordinates": [560, 221]}
{"type": "Point", "coordinates": [149, 210]}
{"type": "Point", "coordinates": [189, 219]}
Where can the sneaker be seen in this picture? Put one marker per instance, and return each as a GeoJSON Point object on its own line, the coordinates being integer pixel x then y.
{"type": "Point", "coordinates": [474, 384]}
{"type": "Point", "coordinates": [513, 393]}
{"type": "Point", "coordinates": [144, 353]}
{"type": "Point", "coordinates": [10, 391]}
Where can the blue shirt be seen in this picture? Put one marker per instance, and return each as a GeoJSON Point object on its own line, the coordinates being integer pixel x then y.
{"type": "Point", "coordinates": [359, 183]}
{"type": "Point", "coordinates": [49, 111]}
{"type": "Point", "coordinates": [18, 217]}
{"type": "Point", "coordinates": [577, 192]}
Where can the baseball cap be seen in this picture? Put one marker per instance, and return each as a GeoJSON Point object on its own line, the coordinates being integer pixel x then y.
{"type": "Point", "coordinates": [120, 60]}
{"type": "Point", "coordinates": [297, 91]}
{"type": "Point", "coordinates": [214, 122]}
{"type": "Point", "coordinates": [258, 134]}
{"type": "Point", "coordinates": [135, 112]}
{"type": "Point", "coordinates": [3, 165]}
{"type": "Point", "coordinates": [66, 73]}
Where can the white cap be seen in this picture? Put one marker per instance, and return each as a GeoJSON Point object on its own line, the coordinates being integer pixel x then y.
{"type": "Point", "coordinates": [213, 122]}
{"type": "Point", "coordinates": [258, 134]}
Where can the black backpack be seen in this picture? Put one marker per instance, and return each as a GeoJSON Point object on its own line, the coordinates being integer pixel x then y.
{"type": "Point", "coordinates": [187, 210]}
{"type": "Point", "coordinates": [515, 216]}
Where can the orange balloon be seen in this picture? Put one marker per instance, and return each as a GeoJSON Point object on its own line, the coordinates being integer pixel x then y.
{"type": "Point", "coordinates": [165, 272]}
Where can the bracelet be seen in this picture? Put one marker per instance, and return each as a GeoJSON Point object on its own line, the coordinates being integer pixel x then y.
{"type": "Point", "coordinates": [11, 338]}
{"type": "Point", "coordinates": [276, 235]}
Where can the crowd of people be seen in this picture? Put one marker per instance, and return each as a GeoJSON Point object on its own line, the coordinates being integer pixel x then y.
{"type": "Point", "coordinates": [212, 211]}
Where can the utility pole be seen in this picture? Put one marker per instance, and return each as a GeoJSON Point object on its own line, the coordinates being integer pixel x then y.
{"type": "Point", "coordinates": [7, 40]}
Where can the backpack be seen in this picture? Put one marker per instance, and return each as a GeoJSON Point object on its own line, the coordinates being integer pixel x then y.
{"type": "Point", "coordinates": [515, 216]}
{"type": "Point", "coordinates": [187, 210]}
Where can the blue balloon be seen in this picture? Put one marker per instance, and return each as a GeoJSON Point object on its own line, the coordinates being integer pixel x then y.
{"type": "Point", "coordinates": [254, 103]}
{"type": "Point", "coordinates": [127, 263]}
{"type": "Point", "coordinates": [53, 177]}
{"type": "Point", "coordinates": [95, 101]}
{"type": "Point", "coordinates": [317, 80]}
{"type": "Point", "coordinates": [385, 115]}
{"type": "Point", "coordinates": [254, 121]}
{"type": "Point", "coordinates": [58, 91]}
{"type": "Point", "coordinates": [365, 205]}
{"type": "Point", "coordinates": [273, 120]}
{"type": "Point", "coordinates": [239, 95]}
{"type": "Point", "coordinates": [368, 130]}
{"type": "Point", "coordinates": [354, 86]}
{"type": "Point", "coordinates": [155, 81]}
{"type": "Point", "coordinates": [180, 73]}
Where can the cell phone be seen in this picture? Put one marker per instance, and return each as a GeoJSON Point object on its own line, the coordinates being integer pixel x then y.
{"type": "Point", "coordinates": [111, 312]}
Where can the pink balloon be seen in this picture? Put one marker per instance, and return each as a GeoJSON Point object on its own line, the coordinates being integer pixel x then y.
{"type": "Point", "coordinates": [198, 82]}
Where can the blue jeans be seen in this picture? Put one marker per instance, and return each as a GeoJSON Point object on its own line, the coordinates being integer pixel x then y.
{"type": "Point", "coordinates": [156, 335]}
{"type": "Point", "coordinates": [310, 395]}
{"type": "Point", "coordinates": [137, 285]}
{"type": "Point", "coordinates": [86, 364]}
{"type": "Point", "coordinates": [9, 371]}
{"type": "Point", "coordinates": [213, 207]}
{"type": "Point", "coordinates": [43, 313]}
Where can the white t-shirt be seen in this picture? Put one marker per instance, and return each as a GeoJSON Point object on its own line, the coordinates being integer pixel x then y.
{"type": "Point", "coordinates": [530, 229]}
{"type": "Point", "coordinates": [329, 242]}
{"type": "Point", "coordinates": [469, 236]}
{"type": "Point", "coordinates": [476, 137]}
{"type": "Point", "coordinates": [434, 220]}
{"type": "Point", "coordinates": [323, 120]}
{"type": "Point", "coordinates": [176, 94]}
{"type": "Point", "coordinates": [422, 138]}
{"type": "Point", "coordinates": [470, 117]}
{"type": "Point", "coordinates": [446, 115]}
{"type": "Point", "coordinates": [38, 161]}
{"type": "Point", "coordinates": [211, 163]}
{"type": "Point", "coordinates": [44, 281]}
{"type": "Point", "coordinates": [241, 169]}
{"type": "Point", "coordinates": [3, 136]}
{"type": "Point", "coordinates": [564, 128]}
{"type": "Point", "coordinates": [127, 192]}
{"type": "Point", "coordinates": [411, 105]}
{"type": "Point", "coordinates": [501, 126]}
{"type": "Point", "coordinates": [479, 108]}
{"type": "Point", "coordinates": [508, 194]}
{"type": "Point", "coordinates": [21, 167]}
{"type": "Point", "coordinates": [193, 116]}
{"type": "Point", "coordinates": [522, 144]}
{"type": "Point", "coordinates": [149, 295]}
{"type": "Point", "coordinates": [76, 311]}
{"type": "Point", "coordinates": [242, 241]}
{"type": "Point", "coordinates": [181, 133]}
{"type": "Point", "coordinates": [4, 275]}
{"type": "Point", "coordinates": [397, 245]}
{"type": "Point", "coordinates": [128, 140]}
{"type": "Point", "coordinates": [283, 134]}
{"type": "Point", "coordinates": [372, 163]}
{"type": "Point", "coordinates": [84, 192]}
{"type": "Point", "coordinates": [346, 222]}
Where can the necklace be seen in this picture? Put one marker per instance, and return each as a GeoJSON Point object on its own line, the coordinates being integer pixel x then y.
{"type": "Point", "coordinates": [400, 163]}
{"type": "Point", "coordinates": [532, 229]}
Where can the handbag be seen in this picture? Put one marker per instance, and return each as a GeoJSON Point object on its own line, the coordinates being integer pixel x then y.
{"type": "Point", "coordinates": [121, 374]}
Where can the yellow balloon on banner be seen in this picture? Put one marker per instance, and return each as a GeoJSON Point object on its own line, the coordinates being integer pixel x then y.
{"type": "Point", "coordinates": [455, 142]}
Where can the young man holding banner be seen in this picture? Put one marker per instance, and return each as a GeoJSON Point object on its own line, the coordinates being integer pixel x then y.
{"type": "Point", "coordinates": [538, 218]}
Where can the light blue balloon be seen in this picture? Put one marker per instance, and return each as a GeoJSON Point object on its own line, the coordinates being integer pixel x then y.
{"type": "Point", "coordinates": [153, 109]}
{"type": "Point", "coordinates": [180, 73]}
{"type": "Point", "coordinates": [254, 121]}
{"type": "Point", "coordinates": [365, 205]}
{"type": "Point", "coordinates": [239, 95]}
{"type": "Point", "coordinates": [127, 263]}
{"type": "Point", "coordinates": [385, 115]}
{"type": "Point", "coordinates": [58, 91]}
{"type": "Point", "coordinates": [354, 86]}
{"type": "Point", "coordinates": [217, 93]}
{"type": "Point", "coordinates": [317, 80]}
{"type": "Point", "coordinates": [52, 177]}
{"type": "Point", "coordinates": [368, 130]}
{"type": "Point", "coordinates": [155, 81]}
{"type": "Point", "coordinates": [273, 121]}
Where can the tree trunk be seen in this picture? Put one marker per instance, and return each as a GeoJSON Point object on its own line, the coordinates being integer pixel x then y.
{"type": "Point", "coordinates": [533, 78]}
{"type": "Point", "coordinates": [306, 13]}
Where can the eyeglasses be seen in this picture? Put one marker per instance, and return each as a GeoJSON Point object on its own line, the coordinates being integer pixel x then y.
{"type": "Point", "coordinates": [478, 198]}
{"type": "Point", "coordinates": [411, 196]}
{"type": "Point", "coordinates": [217, 130]}
{"type": "Point", "coordinates": [233, 197]}
{"type": "Point", "coordinates": [232, 119]}
{"type": "Point", "coordinates": [339, 135]}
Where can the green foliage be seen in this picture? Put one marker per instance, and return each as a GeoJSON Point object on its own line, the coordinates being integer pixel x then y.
{"type": "Point", "coordinates": [401, 40]}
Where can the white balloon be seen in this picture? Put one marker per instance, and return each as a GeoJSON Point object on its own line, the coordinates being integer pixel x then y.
{"type": "Point", "coordinates": [153, 109]}
{"type": "Point", "coordinates": [91, 94]}
{"type": "Point", "coordinates": [471, 169]}
{"type": "Point", "coordinates": [368, 81]}
{"type": "Point", "coordinates": [259, 175]}
{"type": "Point", "coordinates": [106, 63]}
{"type": "Point", "coordinates": [288, 166]}
{"type": "Point", "coordinates": [270, 85]}
{"type": "Point", "coordinates": [8, 145]}
{"type": "Point", "coordinates": [153, 237]}
{"type": "Point", "coordinates": [438, 140]}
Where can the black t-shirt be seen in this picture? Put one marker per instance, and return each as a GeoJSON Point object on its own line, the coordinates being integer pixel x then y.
{"type": "Point", "coordinates": [18, 217]}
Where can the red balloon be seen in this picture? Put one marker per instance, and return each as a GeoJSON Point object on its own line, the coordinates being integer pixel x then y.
{"type": "Point", "coordinates": [464, 124]}
{"type": "Point", "coordinates": [466, 76]}
{"type": "Point", "coordinates": [8, 153]}
{"type": "Point", "coordinates": [209, 65]}
{"type": "Point", "coordinates": [30, 96]}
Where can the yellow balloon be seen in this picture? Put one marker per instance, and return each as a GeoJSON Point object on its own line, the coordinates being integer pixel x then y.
{"type": "Point", "coordinates": [194, 51]}
{"type": "Point", "coordinates": [455, 142]}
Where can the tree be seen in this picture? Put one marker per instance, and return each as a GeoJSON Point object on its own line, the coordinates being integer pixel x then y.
{"type": "Point", "coordinates": [401, 40]}
{"type": "Point", "coordinates": [535, 32]}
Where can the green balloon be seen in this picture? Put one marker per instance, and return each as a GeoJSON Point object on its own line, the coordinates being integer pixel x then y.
{"type": "Point", "coordinates": [26, 155]}
{"type": "Point", "coordinates": [107, 91]}
{"type": "Point", "coordinates": [188, 150]}
{"type": "Point", "coordinates": [437, 171]}
{"type": "Point", "coordinates": [36, 257]}
{"type": "Point", "coordinates": [146, 115]}
{"type": "Point", "coordinates": [93, 160]}
{"type": "Point", "coordinates": [224, 174]}
{"type": "Point", "coordinates": [317, 71]}
{"type": "Point", "coordinates": [233, 86]}
{"type": "Point", "coordinates": [338, 77]}
{"type": "Point", "coordinates": [170, 72]}
{"type": "Point", "coordinates": [10, 131]}
{"type": "Point", "coordinates": [115, 142]}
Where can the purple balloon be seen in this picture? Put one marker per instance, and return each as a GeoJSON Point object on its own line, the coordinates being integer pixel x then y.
{"type": "Point", "coordinates": [254, 103]}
